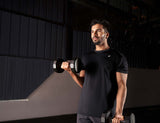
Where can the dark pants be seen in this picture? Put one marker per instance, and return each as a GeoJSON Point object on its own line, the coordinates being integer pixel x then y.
{"type": "Point", "coordinates": [87, 119]}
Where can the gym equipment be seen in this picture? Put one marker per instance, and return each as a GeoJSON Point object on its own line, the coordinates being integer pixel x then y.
{"type": "Point", "coordinates": [57, 65]}
{"type": "Point", "coordinates": [75, 65]}
{"type": "Point", "coordinates": [105, 118]}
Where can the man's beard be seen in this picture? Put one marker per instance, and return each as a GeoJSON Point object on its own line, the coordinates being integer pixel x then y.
{"type": "Point", "coordinates": [97, 43]}
{"type": "Point", "coordinates": [100, 40]}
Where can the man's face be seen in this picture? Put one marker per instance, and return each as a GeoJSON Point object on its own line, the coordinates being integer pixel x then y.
{"type": "Point", "coordinates": [98, 34]}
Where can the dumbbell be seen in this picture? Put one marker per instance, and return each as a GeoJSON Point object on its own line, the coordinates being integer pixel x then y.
{"type": "Point", "coordinates": [75, 65]}
{"type": "Point", "coordinates": [127, 119]}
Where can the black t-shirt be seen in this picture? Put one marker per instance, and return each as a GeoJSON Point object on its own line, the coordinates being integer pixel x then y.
{"type": "Point", "coordinates": [100, 85]}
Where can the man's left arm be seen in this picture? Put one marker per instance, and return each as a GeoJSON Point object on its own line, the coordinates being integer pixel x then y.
{"type": "Point", "coordinates": [121, 94]}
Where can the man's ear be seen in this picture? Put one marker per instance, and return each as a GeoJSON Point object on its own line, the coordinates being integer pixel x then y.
{"type": "Point", "coordinates": [106, 35]}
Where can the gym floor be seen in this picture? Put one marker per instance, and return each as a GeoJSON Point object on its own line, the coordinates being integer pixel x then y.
{"type": "Point", "coordinates": [142, 114]}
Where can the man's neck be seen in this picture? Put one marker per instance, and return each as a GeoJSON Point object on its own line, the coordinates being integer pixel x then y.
{"type": "Point", "coordinates": [102, 47]}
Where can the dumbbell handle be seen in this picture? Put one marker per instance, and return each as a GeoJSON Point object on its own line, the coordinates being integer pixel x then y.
{"type": "Point", "coordinates": [71, 63]}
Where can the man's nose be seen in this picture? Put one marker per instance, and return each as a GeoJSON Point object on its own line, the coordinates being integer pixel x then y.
{"type": "Point", "coordinates": [95, 33]}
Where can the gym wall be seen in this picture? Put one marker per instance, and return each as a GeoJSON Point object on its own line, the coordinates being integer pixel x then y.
{"type": "Point", "coordinates": [32, 34]}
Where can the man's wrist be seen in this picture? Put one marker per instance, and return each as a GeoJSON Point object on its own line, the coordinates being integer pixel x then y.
{"type": "Point", "coordinates": [119, 112]}
{"type": "Point", "coordinates": [70, 71]}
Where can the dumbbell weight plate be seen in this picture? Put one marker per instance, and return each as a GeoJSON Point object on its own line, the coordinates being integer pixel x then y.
{"type": "Point", "coordinates": [132, 118]}
{"type": "Point", "coordinates": [57, 65]}
{"type": "Point", "coordinates": [75, 65]}
{"type": "Point", "coordinates": [78, 65]}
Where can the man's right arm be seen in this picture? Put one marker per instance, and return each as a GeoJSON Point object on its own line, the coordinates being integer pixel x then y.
{"type": "Point", "coordinates": [79, 79]}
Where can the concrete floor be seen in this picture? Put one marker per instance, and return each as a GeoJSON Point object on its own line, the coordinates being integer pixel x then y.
{"type": "Point", "coordinates": [142, 115]}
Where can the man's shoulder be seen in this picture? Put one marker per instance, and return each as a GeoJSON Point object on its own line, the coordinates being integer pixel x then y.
{"type": "Point", "coordinates": [116, 52]}
{"type": "Point", "coordinates": [118, 56]}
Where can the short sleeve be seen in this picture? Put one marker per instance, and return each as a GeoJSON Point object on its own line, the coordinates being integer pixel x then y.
{"type": "Point", "coordinates": [122, 66]}
{"type": "Point", "coordinates": [83, 63]}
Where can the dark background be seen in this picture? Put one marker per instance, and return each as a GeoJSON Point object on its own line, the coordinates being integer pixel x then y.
{"type": "Point", "coordinates": [33, 33]}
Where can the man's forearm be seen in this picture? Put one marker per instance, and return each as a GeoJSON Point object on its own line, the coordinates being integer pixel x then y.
{"type": "Point", "coordinates": [79, 80]}
{"type": "Point", "coordinates": [121, 97]}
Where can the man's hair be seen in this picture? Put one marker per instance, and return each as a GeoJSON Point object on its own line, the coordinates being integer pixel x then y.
{"type": "Point", "coordinates": [105, 23]}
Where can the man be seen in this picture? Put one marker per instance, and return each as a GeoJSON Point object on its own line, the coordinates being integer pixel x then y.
{"type": "Point", "coordinates": [103, 79]}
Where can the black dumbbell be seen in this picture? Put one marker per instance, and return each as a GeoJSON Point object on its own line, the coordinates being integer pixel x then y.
{"type": "Point", "coordinates": [75, 65]}
{"type": "Point", "coordinates": [127, 119]}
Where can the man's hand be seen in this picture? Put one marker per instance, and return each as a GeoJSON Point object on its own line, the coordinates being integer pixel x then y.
{"type": "Point", "coordinates": [117, 118]}
{"type": "Point", "coordinates": [66, 66]}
